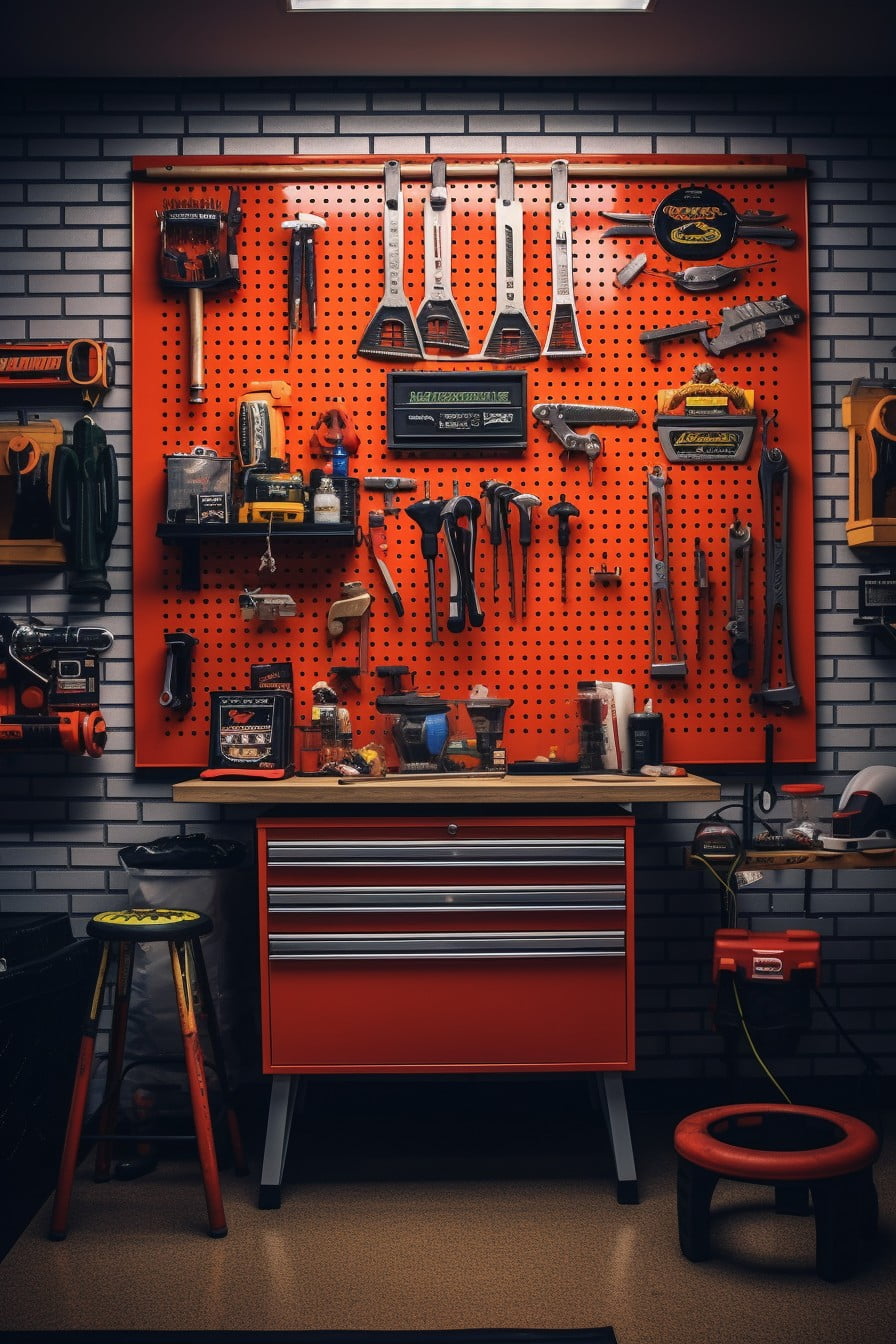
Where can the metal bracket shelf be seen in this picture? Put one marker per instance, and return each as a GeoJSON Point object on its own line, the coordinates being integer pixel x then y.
{"type": "Point", "coordinates": [190, 537]}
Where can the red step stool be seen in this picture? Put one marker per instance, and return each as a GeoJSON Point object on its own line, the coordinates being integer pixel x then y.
{"type": "Point", "coordinates": [800, 1150]}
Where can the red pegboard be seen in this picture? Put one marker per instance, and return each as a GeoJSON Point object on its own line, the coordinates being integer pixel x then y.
{"type": "Point", "coordinates": [603, 630]}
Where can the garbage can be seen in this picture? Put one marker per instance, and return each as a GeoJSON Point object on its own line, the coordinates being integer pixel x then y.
{"type": "Point", "coordinates": [209, 875]}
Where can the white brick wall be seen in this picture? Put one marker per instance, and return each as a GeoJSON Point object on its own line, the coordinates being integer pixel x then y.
{"type": "Point", "coordinates": [65, 151]}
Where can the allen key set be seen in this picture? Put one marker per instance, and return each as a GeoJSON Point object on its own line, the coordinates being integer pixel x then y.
{"type": "Point", "coordinates": [522, 346]}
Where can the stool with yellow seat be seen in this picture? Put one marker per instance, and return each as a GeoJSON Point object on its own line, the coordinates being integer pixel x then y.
{"type": "Point", "coordinates": [122, 929]}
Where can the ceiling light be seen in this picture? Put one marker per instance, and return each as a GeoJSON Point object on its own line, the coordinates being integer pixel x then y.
{"type": "Point", "coordinates": [458, 6]}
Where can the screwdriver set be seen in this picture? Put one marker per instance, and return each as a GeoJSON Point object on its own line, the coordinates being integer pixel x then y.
{"type": "Point", "coordinates": [574, 496]}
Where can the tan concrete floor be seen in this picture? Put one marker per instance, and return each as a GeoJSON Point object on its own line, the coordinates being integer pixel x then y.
{"type": "Point", "coordinates": [374, 1236]}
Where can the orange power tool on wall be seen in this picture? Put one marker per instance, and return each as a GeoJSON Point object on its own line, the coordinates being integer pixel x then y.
{"type": "Point", "coordinates": [49, 687]}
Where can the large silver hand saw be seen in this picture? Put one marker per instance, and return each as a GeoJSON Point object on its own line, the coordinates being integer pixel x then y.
{"type": "Point", "coordinates": [511, 338]}
{"type": "Point", "coordinates": [392, 332]}
{"type": "Point", "coordinates": [564, 338]}
{"type": "Point", "coordinates": [438, 318]}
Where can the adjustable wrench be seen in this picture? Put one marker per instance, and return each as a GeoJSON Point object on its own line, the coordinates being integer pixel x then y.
{"type": "Point", "coordinates": [438, 319]}
{"type": "Point", "coordinates": [660, 592]}
{"type": "Point", "coordinates": [459, 515]}
{"type": "Point", "coordinates": [739, 549]}
{"type": "Point", "coordinates": [564, 338]}
{"type": "Point", "coordinates": [774, 480]}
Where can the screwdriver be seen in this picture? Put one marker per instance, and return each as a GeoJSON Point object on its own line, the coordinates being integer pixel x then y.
{"type": "Point", "coordinates": [525, 503]}
{"type": "Point", "coordinates": [495, 525]}
{"type": "Point", "coordinates": [427, 514]}
{"type": "Point", "coordinates": [563, 510]}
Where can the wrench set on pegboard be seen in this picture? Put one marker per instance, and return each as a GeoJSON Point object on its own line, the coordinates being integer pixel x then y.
{"type": "Point", "coordinates": [574, 450]}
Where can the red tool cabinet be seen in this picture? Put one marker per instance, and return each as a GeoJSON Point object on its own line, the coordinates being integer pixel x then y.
{"type": "Point", "coordinates": [446, 944]}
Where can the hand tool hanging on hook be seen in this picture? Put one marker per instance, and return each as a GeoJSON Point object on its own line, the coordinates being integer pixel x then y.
{"type": "Point", "coordinates": [392, 331]}
{"type": "Point", "coordinates": [525, 503]}
{"type": "Point", "coordinates": [693, 279]}
{"type": "Point", "coordinates": [774, 487]}
{"type": "Point", "coordinates": [701, 583]}
{"type": "Point", "coordinates": [564, 338]}
{"type": "Point", "coordinates": [740, 537]}
{"type": "Point", "coordinates": [459, 514]}
{"type": "Point", "coordinates": [563, 510]}
{"type": "Point", "coordinates": [438, 317]}
{"type": "Point", "coordinates": [199, 253]}
{"type": "Point", "coordinates": [768, 794]}
{"type": "Point", "coordinates": [302, 272]}
{"type": "Point", "coordinates": [560, 417]}
{"type": "Point", "coordinates": [427, 514]}
{"type": "Point", "coordinates": [495, 527]}
{"type": "Point", "coordinates": [511, 338]}
{"type": "Point", "coordinates": [500, 498]}
{"type": "Point", "coordinates": [697, 222]}
{"type": "Point", "coordinates": [660, 589]}
{"type": "Point", "coordinates": [375, 539]}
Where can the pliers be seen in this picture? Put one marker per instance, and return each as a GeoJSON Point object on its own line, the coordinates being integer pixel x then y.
{"type": "Point", "coordinates": [302, 272]}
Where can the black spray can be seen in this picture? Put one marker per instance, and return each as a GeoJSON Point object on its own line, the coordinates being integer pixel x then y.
{"type": "Point", "coordinates": [645, 738]}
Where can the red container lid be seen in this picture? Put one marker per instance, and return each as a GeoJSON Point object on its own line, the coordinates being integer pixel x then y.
{"type": "Point", "coordinates": [802, 789]}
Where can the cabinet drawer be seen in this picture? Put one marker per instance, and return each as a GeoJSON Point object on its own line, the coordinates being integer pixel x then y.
{"type": "Point", "coordinates": [409, 1013]}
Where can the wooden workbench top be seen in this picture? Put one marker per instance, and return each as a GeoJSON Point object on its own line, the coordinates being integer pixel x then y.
{"type": "Point", "coordinates": [500, 790]}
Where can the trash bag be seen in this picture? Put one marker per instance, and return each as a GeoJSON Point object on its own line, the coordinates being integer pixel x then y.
{"type": "Point", "coordinates": [184, 851]}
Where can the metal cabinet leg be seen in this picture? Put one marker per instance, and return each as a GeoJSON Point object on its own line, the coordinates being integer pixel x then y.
{"type": "Point", "coordinates": [611, 1095]}
{"type": "Point", "coordinates": [281, 1108]}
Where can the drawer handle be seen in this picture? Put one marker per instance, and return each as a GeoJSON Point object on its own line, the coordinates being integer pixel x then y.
{"type": "Point", "coordinates": [571, 897]}
{"type": "Point", "coordinates": [348, 947]}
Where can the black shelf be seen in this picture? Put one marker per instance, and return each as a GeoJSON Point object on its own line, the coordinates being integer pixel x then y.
{"type": "Point", "coordinates": [191, 536]}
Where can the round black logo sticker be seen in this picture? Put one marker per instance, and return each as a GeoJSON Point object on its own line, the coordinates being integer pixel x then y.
{"type": "Point", "coordinates": [695, 222]}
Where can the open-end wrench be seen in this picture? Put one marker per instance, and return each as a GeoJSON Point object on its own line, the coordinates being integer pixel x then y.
{"type": "Point", "coordinates": [774, 480]}
{"type": "Point", "coordinates": [525, 503]}
{"type": "Point", "coordinates": [427, 514]}
{"type": "Point", "coordinates": [739, 548]}
{"type": "Point", "coordinates": [660, 591]}
{"type": "Point", "coordinates": [459, 514]}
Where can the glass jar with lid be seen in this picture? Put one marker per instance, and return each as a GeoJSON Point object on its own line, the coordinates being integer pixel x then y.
{"type": "Point", "coordinates": [807, 816]}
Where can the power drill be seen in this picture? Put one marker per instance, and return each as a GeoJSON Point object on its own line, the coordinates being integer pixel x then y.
{"type": "Point", "coordinates": [49, 687]}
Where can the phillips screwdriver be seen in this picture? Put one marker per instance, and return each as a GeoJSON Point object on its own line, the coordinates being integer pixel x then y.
{"type": "Point", "coordinates": [563, 510]}
{"type": "Point", "coordinates": [427, 514]}
{"type": "Point", "coordinates": [525, 503]}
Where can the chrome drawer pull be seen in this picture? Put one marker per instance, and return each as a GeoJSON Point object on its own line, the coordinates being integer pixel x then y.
{"type": "Point", "coordinates": [487, 853]}
{"type": "Point", "coordinates": [347, 946]}
{"type": "Point", "coordinates": [610, 897]}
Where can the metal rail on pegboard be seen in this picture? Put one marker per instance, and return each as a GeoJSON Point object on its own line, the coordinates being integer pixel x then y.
{"type": "Point", "coordinates": [602, 630]}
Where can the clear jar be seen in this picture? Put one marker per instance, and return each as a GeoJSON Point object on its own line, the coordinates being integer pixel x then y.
{"type": "Point", "coordinates": [807, 821]}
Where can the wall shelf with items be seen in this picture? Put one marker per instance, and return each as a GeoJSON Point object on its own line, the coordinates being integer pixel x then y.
{"type": "Point", "coordinates": [190, 537]}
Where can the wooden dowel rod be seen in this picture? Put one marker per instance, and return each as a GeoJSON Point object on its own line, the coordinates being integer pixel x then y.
{"type": "Point", "coordinates": [363, 170]}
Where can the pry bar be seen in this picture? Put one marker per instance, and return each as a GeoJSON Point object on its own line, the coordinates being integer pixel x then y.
{"type": "Point", "coordinates": [774, 482]}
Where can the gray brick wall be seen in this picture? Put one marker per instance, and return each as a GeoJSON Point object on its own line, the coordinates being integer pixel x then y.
{"type": "Point", "coordinates": [65, 151]}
